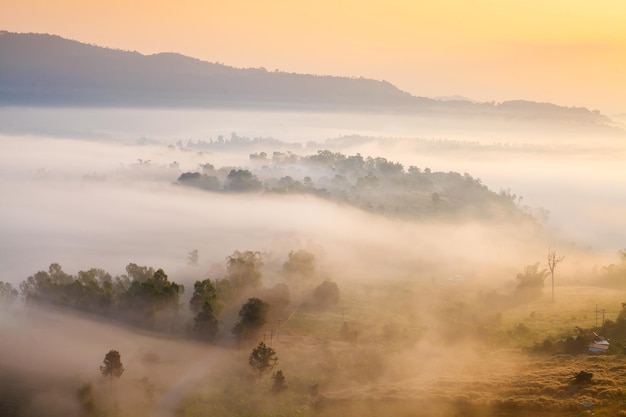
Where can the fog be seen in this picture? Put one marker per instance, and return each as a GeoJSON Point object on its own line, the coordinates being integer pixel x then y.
{"type": "Point", "coordinates": [96, 188]}
{"type": "Point", "coordinates": [72, 181]}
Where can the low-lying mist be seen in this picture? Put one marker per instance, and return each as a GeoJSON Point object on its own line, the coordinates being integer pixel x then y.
{"type": "Point", "coordinates": [431, 315]}
{"type": "Point", "coordinates": [87, 204]}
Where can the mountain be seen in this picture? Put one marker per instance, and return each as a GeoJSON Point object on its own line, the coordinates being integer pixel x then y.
{"type": "Point", "coordinates": [47, 70]}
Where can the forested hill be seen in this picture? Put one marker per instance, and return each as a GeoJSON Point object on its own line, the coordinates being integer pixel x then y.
{"type": "Point", "coordinates": [373, 184]}
{"type": "Point", "coordinates": [41, 69]}
{"type": "Point", "coordinates": [38, 68]}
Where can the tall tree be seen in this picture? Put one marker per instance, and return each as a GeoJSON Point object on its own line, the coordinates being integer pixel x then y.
{"type": "Point", "coordinates": [203, 291]}
{"type": "Point", "coordinates": [243, 270]}
{"type": "Point", "coordinates": [112, 365]}
{"type": "Point", "coordinates": [252, 317]}
{"type": "Point", "coordinates": [553, 261]}
{"type": "Point", "coordinates": [205, 324]}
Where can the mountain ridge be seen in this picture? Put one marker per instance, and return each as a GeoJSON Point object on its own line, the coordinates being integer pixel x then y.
{"type": "Point", "coordinates": [48, 70]}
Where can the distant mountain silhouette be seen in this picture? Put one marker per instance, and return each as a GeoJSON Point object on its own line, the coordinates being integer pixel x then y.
{"type": "Point", "coordinates": [47, 70]}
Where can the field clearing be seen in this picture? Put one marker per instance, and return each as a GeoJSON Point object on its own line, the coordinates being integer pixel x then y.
{"type": "Point", "coordinates": [501, 383]}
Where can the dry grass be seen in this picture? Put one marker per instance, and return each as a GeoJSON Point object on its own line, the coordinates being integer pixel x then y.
{"type": "Point", "coordinates": [502, 383]}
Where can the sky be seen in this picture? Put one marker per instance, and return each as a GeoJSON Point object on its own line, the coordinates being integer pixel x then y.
{"type": "Point", "coordinates": [569, 52]}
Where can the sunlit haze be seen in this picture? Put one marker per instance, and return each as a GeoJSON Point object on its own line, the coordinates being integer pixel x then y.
{"type": "Point", "coordinates": [566, 52]}
{"type": "Point", "coordinates": [188, 239]}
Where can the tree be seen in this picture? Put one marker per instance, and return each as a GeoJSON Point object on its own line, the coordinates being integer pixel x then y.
{"type": "Point", "coordinates": [299, 263]}
{"type": "Point", "coordinates": [139, 273]}
{"type": "Point", "coordinates": [242, 180]}
{"type": "Point", "coordinates": [243, 270]}
{"type": "Point", "coordinates": [279, 382]}
{"type": "Point", "coordinates": [325, 295]}
{"type": "Point", "coordinates": [530, 282]}
{"type": "Point", "coordinates": [202, 181]}
{"type": "Point", "coordinates": [263, 359]}
{"type": "Point", "coordinates": [553, 261]}
{"type": "Point", "coordinates": [252, 317]}
{"type": "Point", "coordinates": [8, 294]}
{"type": "Point", "coordinates": [154, 295]}
{"type": "Point", "coordinates": [112, 365]}
{"type": "Point", "coordinates": [203, 291]}
{"type": "Point", "coordinates": [205, 324]}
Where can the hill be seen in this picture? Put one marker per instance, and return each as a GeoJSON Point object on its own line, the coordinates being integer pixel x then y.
{"type": "Point", "coordinates": [47, 70]}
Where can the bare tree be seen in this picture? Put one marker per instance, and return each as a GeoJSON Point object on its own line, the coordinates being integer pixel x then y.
{"type": "Point", "coordinates": [553, 261]}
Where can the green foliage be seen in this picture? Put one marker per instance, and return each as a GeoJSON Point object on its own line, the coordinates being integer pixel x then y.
{"type": "Point", "coordinates": [137, 297]}
{"type": "Point", "coordinates": [252, 317]}
{"type": "Point", "coordinates": [203, 292]}
{"type": "Point", "coordinates": [263, 359]}
{"type": "Point", "coordinates": [112, 365]}
{"type": "Point", "coordinates": [145, 299]}
{"type": "Point", "coordinates": [46, 286]}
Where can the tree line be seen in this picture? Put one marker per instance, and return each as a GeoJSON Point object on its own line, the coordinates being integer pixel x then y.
{"type": "Point", "coordinates": [146, 297]}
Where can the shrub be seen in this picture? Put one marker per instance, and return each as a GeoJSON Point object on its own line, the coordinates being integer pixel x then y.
{"type": "Point", "coordinates": [582, 378]}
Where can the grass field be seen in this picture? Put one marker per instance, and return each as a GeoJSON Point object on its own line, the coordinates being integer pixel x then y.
{"type": "Point", "coordinates": [401, 348]}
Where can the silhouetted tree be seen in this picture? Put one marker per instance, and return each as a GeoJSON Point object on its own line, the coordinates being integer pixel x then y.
{"type": "Point", "coordinates": [146, 299]}
{"type": "Point", "coordinates": [242, 180]}
{"type": "Point", "coordinates": [112, 365]}
{"type": "Point", "coordinates": [263, 359]}
{"type": "Point", "coordinates": [553, 261]}
{"type": "Point", "coordinates": [325, 295]}
{"type": "Point", "coordinates": [202, 181]}
{"type": "Point", "coordinates": [279, 382]}
{"type": "Point", "coordinates": [205, 324]}
{"type": "Point", "coordinates": [252, 317]}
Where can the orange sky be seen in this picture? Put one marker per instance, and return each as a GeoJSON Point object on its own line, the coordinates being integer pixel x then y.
{"type": "Point", "coordinates": [571, 52]}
